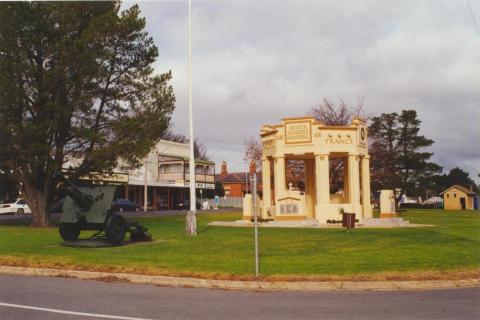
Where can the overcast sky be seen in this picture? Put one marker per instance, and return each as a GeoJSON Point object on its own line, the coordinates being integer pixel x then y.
{"type": "Point", "coordinates": [255, 62]}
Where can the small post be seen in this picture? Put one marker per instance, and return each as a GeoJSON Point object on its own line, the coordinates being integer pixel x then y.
{"type": "Point", "coordinates": [255, 220]}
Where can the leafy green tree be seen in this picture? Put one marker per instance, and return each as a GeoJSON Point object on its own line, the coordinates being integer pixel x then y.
{"type": "Point", "coordinates": [219, 189]}
{"type": "Point", "coordinates": [461, 177]}
{"type": "Point", "coordinates": [398, 156]}
{"type": "Point", "coordinates": [455, 176]}
{"type": "Point", "coordinates": [8, 188]}
{"type": "Point", "coordinates": [76, 85]}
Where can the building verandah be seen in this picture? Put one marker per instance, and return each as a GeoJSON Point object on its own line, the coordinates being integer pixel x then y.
{"type": "Point", "coordinates": [162, 181]}
{"type": "Point", "coordinates": [310, 147]}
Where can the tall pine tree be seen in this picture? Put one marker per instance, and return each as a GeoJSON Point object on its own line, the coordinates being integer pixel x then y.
{"type": "Point", "coordinates": [383, 135]}
{"type": "Point", "coordinates": [76, 83]}
{"type": "Point", "coordinates": [399, 159]}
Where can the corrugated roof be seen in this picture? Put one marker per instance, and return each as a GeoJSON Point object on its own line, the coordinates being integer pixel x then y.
{"type": "Point", "coordinates": [236, 177]}
{"type": "Point", "coordinates": [461, 188]}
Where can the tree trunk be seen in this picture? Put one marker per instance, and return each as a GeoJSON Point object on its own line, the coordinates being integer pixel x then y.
{"type": "Point", "coordinates": [191, 224]}
{"type": "Point", "coordinates": [37, 202]}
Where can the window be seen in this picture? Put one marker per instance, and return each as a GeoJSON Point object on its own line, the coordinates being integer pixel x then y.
{"type": "Point", "coordinates": [210, 170]}
{"type": "Point", "coordinates": [199, 169]}
{"type": "Point", "coordinates": [170, 168]}
{"type": "Point", "coordinates": [448, 196]}
{"type": "Point", "coordinates": [454, 195]}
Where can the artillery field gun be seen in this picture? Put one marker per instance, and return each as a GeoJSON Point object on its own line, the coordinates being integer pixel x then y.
{"type": "Point", "coordinates": [90, 208]}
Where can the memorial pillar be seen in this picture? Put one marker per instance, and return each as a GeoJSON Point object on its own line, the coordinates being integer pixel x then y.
{"type": "Point", "coordinates": [354, 183]}
{"type": "Point", "coordinates": [322, 179]}
{"type": "Point", "coordinates": [279, 178]}
{"type": "Point", "coordinates": [267, 189]}
{"type": "Point", "coordinates": [367, 206]}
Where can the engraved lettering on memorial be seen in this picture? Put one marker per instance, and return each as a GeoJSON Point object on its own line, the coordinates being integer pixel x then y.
{"type": "Point", "coordinates": [338, 139]}
{"type": "Point", "coordinates": [298, 132]}
{"type": "Point", "coordinates": [289, 208]}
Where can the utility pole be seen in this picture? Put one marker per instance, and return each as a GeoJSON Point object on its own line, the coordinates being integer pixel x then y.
{"type": "Point", "coordinates": [145, 187]}
{"type": "Point", "coordinates": [191, 220]}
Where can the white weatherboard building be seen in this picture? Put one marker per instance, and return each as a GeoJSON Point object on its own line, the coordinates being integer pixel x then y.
{"type": "Point", "coordinates": [165, 173]}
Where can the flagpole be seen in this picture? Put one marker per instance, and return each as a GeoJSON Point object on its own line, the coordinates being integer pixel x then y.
{"type": "Point", "coordinates": [191, 228]}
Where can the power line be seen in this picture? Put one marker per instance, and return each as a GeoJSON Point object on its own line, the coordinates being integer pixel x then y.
{"type": "Point", "coordinates": [473, 17]}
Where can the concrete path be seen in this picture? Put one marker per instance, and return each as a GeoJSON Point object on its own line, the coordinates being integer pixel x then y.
{"type": "Point", "coordinates": [315, 225]}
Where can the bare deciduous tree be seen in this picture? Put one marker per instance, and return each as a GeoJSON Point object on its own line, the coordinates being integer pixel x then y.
{"type": "Point", "coordinates": [340, 114]}
{"type": "Point", "coordinates": [199, 148]}
{"type": "Point", "coordinates": [337, 114]}
{"type": "Point", "coordinates": [253, 151]}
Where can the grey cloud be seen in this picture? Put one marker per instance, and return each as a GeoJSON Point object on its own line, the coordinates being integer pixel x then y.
{"type": "Point", "coordinates": [255, 62]}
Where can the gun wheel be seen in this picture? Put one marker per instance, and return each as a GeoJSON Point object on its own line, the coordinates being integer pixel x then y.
{"type": "Point", "coordinates": [69, 231]}
{"type": "Point", "coordinates": [116, 229]}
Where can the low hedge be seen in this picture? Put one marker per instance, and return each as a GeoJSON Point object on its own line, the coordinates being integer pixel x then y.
{"type": "Point", "coordinates": [420, 206]}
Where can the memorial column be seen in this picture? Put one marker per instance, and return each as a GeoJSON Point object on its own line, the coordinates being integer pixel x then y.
{"type": "Point", "coordinates": [354, 182]}
{"type": "Point", "coordinates": [266, 187]}
{"type": "Point", "coordinates": [367, 206]}
{"type": "Point", "coordinates": [279, 179]}
{"type": "Point", "coordinates": [322, 179]}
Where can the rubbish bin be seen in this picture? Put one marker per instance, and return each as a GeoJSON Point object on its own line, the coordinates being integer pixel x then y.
{"type": "Point", "coordinates": [348, 220]}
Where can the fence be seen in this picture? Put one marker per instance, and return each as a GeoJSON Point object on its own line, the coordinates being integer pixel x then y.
{"type": "Point", "coordinates": [231, 202]}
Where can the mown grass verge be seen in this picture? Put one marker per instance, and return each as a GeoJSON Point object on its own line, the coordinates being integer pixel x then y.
{"type": "Point", "coordinates": [450, 249]}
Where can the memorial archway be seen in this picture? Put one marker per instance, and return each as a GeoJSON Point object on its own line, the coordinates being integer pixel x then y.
{"type": "Point", "coordinates": [317, 146]}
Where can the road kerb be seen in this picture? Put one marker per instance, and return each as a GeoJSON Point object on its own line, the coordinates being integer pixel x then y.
{"type": "Point", "coordinates": [244, 285]}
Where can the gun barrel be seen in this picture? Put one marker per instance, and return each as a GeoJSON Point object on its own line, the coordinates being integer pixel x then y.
{"type": "Point", "coordinates": [83, 200]}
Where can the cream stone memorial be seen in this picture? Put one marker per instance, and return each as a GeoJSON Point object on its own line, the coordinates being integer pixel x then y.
{"type": "Point", "coordinates": [387, 204]}
{"type": "Point", "coordinates": [313, 145]}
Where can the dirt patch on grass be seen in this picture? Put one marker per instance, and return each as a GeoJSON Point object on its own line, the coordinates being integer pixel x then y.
{"type": "Point", "coordinates": [456, 274]}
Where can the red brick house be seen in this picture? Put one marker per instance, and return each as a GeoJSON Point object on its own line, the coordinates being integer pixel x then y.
{"type": "Point", "coordinates": [237, 184]}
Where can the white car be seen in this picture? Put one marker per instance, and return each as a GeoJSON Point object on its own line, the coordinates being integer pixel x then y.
{"type": "Point", "coordinates": [18, 207]}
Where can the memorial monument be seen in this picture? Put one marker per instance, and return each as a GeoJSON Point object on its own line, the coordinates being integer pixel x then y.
{"type": "Point", "coordinates": [387, 204]}
{"type": "Point", "coordinates": [314, 145]}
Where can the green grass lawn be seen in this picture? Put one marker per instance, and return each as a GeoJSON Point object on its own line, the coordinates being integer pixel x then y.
{"type": "Point", "coordinates": [453, 244]}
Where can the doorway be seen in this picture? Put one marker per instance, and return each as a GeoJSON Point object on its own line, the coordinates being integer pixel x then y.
{"type": "Point", "coordinates": [462, 203]}
{"type": "Point", "coordinates": [300, 176]}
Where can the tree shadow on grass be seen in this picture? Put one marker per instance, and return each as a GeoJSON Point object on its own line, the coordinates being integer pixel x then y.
{"type": "Point", "coordinates": [203, 229]}
{"type": "Point", "coordinates": [15, 221]}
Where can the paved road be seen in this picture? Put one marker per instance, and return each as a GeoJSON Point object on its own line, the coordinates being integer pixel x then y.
{"type": "Point", "coordinates": [128, 301]}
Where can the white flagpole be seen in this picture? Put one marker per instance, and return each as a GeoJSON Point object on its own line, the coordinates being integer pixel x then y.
{"type": "Point", "coordinates": [192, 228]}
